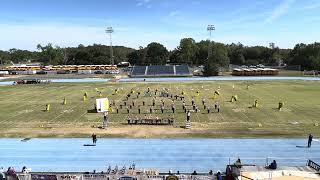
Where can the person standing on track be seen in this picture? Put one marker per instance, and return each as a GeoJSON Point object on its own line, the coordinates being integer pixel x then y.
{"type": "Point", "coordinates": [94, 138]}
{"type": "Point", "coordinates": [310, 140]}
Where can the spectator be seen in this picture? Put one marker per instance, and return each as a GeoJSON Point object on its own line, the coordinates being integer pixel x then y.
{"type": "Point", "coordinates": [219, 177]}
{"type": "Point", "coordinates": [11, 171]}
{"type": "Point", "coordinates": [25, 170]}
{"type": "Point", "coordinates": [273, 165]}
{"type": "Point", "coordinates": [2, 175]}
{"type": "Point", "coordinates": [238, 162]}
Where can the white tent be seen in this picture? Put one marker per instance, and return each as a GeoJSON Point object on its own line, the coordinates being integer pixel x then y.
{"type": "Point", "coordinates": [102, 104]}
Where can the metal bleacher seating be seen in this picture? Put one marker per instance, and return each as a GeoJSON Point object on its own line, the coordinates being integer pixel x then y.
{"type": "Point", "coordinates": [160, 70]}
{"type": "Point", "coordinates": [182, 70]}
{"type": "Point", "coordinates": [138, 70]}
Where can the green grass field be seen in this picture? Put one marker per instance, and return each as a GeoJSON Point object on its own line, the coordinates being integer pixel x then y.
{"type": "Point", "coordinates": [22, 110]}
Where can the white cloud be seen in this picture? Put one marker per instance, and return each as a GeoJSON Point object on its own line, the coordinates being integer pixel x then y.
{"type": "Point", "coordinates": [145, 3]}
{"type": "Point", "coordinates": [28, 36]}
{"type": "Point", "coordinates": [311, 6]}
{"type": "Point", "coordinates": [173, 13]}
{"type": "Point", "coordinates": [280, 10]}
{"type": "Point", "coordinates": [139, 4]}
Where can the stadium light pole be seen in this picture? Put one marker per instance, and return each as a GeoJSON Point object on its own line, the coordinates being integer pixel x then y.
{"type": "Point", "coordinates": [210, 28]}
{"type": "Point", "coordinates": [109, 31]}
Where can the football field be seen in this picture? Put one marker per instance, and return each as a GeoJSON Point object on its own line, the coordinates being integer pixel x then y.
{"type": "Point", "coordinates": [22, 109]}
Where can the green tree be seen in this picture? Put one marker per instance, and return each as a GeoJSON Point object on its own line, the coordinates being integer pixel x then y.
{"type": "Point", "coordinates": [175, 56]}
{"type": "Point", "coordinates": [188, 50]}
{"type": "Point", "coordinates": [17, 55]}
{"type": "Point", "coordinates": [50, 55]}
{"type": "Point", "coordinates": [211, 68]}
{"type": "Point", "coordinates": [138, 57]}
{"type": "Point", "coordinates": [4, 57]}
{"type": "Point", "coordinates": [236, 54]}
{"type": "Point", "coordinates": [202, 54]}
{"type": "Point", "coordinates": [133, 57]}
{"type": "Point", "coordinates": [308, 56]}
{"type": "Point", "coordinates": [156, 54]}
{"type": "Point", "coordinates": [219, 58]}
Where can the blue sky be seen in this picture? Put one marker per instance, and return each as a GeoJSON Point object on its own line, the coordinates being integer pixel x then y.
{"type": "Point", "coordinates": [26, 23]}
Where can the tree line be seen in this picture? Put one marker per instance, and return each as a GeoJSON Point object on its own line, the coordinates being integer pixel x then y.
{"type": "Point", "coordinates": [211, 54]}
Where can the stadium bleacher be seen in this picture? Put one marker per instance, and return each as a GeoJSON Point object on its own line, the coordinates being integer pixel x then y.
{"type": "Point", "coordinates": [182, 69]}
{"type": "Point", "coordinates": [160, 71]}
{"type": "Point", "coordinates": [138, 70]}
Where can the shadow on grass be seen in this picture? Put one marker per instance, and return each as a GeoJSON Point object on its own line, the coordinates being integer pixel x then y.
{"type": "Point", "coordinates": [92, 111]}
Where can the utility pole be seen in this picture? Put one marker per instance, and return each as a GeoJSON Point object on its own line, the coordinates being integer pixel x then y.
{"type": "Point", "coordinates": [210, 28]}
{"type": "Point", "coordinates": [109, 31]}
